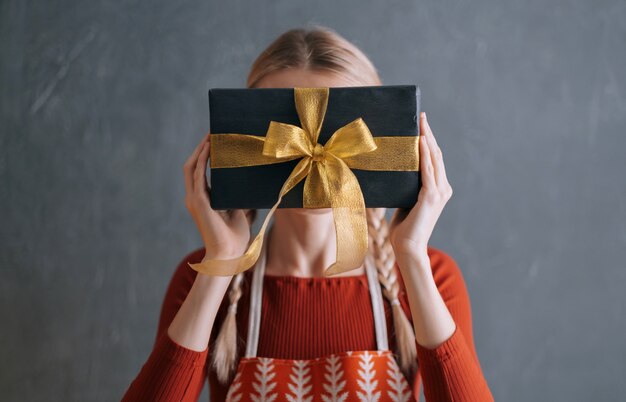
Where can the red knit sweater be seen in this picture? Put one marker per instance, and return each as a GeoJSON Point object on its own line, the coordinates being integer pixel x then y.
{"type": "Point", "coordinates": [339, 317]}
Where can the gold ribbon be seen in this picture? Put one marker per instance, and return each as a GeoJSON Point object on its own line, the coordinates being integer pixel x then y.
{"type": "Point", "coordinates": [329, 180]}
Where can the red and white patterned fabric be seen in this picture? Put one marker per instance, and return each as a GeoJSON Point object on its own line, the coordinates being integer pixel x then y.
{"type": "Point", "coordinates": [362, 375]}
{"type": "Point", "coordinates": [350, 376]}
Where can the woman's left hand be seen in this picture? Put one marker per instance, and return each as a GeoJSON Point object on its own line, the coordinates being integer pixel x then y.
{"type": "Point", "coordinates": [410, 229]}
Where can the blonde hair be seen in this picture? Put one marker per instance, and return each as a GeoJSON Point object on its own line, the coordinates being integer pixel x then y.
{"type": "Point", "coordinates": [322, 49]}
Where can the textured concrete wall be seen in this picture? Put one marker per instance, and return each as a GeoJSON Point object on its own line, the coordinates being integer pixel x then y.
{"type": "Point", "coordinates": [102, 102]}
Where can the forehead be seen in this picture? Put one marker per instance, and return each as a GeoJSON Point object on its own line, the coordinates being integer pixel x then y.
{"type": "Point", "coordinates": [289, 78]}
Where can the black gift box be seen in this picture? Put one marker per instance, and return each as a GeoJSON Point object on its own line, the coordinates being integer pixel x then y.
{"type": "Point", "coordinates": [390, 110]}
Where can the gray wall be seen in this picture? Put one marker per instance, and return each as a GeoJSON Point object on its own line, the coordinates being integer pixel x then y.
{"type": "Point", "coordinates": [102, 102]}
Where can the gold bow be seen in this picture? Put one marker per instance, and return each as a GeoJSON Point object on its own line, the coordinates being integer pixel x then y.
{"type": "Point", "coordinates": [329, 180]}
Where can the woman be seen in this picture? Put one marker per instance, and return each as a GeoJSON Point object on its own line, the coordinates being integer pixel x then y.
{"type": "Point", "coordinates": [302, 316]}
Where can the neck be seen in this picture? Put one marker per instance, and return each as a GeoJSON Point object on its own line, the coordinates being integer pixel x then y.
{"type": "Point", "coordinates": [302, 243]}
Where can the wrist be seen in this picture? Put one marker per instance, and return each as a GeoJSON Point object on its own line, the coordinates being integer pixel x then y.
{"type": "Point", "coordinates": [413, 261]}
{"type": "Point", "coordinates": [409, 249]}
{"type": "Point", "coordinates": [206, 286]}
{"type": "Point", "coordinates": [222, 254]}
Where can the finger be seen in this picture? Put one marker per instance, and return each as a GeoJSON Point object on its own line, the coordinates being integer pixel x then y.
{"type": "Point", "coordinates": [428, 133]}
{"type": "Point", "coordinates": [190, 164]}
{"type": "Point", "coordinates": [436, 155]}
{"type": "Point", "coordinates": [427, 127]}
{"type": "Point", "coordinates": [200, 184]}
{"type": "Point", "coordinates": [196, 152]}
{"type": "Point", "coordinates": [443, 181]}
{"type": "Point", "coordinates": [426, 166]}
{"type": "Point", "coordinates": [428, 172]}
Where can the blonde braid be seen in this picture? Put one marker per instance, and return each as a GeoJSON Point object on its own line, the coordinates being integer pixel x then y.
{"type": "Point", "coordinates": [224, 354]}
{"type": "Point", "coordinates": [384, 259]}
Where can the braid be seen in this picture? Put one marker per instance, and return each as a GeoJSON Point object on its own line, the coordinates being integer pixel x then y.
{"type": "Point", "coordinates": [383, 257]}
{"type": "Point", "coordinates": [224, 356]}
{"type": "Point", "coordinates": [225, 349]}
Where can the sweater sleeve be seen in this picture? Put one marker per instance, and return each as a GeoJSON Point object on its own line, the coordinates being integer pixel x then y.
{"type": "Point", "coordinates": [172, 372]}
{"type": "Point", "coordinates": [451, 371]}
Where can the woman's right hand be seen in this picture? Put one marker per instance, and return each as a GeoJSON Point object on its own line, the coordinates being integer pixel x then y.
{"type": "Point", "coordinates": [225, 233]}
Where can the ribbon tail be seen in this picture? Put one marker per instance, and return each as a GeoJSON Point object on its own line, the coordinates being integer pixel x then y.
{"type": "Point", "coordinates": [236, 265]}
{"type": "Point", "coordinates": [349, 215]}
{"type": "Point", "coordinates": [351, 251]}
